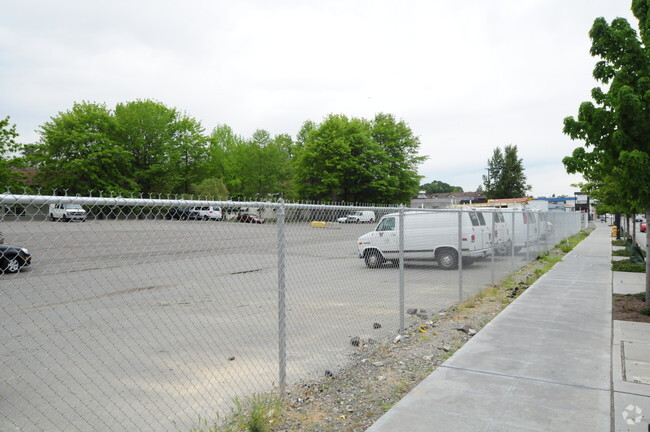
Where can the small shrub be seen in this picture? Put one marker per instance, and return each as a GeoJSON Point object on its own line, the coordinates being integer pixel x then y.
{"type": "Point", "coordinates": [645, 311]}
{"type": "Point", "coordinates": [627, 266]}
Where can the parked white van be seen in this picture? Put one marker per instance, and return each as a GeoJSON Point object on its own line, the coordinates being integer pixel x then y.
{"type": "Point", "coordinates": [208, 212]}
{"type": "Point", "coordinates": [501, 238]}
{"type": "Point", "coordinates": [67, 212]}
{"type": "Point", "coordinates": [427, 236]}
{"type": "Point", "coordinates": [525, 230]}
{"type": "Point", "coordinates": [358, 216]}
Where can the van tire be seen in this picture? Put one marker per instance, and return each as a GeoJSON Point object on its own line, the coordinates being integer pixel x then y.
{"type": "Point", "coordinates": [447, 259]}
{"type": "Point", "coordinates": [65, 218]}
{"type": "Point", "coordinates": [52, 218]}
{"type": "Point", "coordinates": [373, 259]}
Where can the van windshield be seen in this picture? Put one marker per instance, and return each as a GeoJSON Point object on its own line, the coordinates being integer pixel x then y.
{"type": "Point", "coordinates": [387, 224]}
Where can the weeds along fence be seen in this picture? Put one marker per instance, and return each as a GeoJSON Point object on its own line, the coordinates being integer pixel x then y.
{"type": "Point", "coordinates": [153, 313]}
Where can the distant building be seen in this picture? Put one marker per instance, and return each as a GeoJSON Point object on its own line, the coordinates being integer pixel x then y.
{"type": "Point", "coordinates": [554, 203]}
{"type": "Point", "coordinates": [446, 200]}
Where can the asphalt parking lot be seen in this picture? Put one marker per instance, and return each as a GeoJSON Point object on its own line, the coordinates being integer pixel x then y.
{"type": "Point", "coordinates": [149, 324]}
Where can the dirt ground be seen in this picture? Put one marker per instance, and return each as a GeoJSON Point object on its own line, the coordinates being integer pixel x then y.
{"type": "Point", "coordinates": [628, 308]}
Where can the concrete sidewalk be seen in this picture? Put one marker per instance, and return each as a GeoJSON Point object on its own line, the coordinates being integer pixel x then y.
{"type": "Point", "coordinates": [543, 364]}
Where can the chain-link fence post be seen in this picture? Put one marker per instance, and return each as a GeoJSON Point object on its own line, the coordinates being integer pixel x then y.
{"type": "Point", "coordinates": [493, 250]}
{"type": "Point", "coordinates": [512, 242]}
{"type": "Point", "coordinates": [282, 325]}
{"type": "Point", "coordinates": [460, 255]}
{"type": "Point", "coordinates": [401, 269]}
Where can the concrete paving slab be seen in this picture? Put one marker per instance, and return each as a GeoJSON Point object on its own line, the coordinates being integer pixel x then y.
{"type": "Point", "coordinates": [463, 400]}
{"type": "Point", "coordinates": [631, 412]}
{"type": "Point", "coordinates": [636, 362]}
{"type": "Point", "coordinates": [628, 333]}
{"type": "Point", "coordinates": [628, 282]}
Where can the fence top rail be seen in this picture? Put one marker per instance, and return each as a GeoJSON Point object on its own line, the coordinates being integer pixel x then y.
{"type": "Point", "coordinates": [20, 199]}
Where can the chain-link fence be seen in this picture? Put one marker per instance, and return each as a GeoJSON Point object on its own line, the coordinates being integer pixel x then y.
{"type": "Point", "coordinates": [146, 314]}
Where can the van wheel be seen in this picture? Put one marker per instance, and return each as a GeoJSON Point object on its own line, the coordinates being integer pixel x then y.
{"type": "Point", "coordinates": [52, 218]}
{"type": "Point", "coordinates": [447, 259]}
{"type": "Point", "coordinates": [373, 259]}
{"type": "Point", "coordinates": [65, 218]}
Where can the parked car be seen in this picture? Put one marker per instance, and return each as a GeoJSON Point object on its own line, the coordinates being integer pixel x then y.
{"type": "Point", "coordinates": [357, 217]}
{"type": "Point", "coordinates": [182, 213]}
{"type": "Point", "coordinates": [644, 226]}
{"type": "Point", "coordinates": [427, 236]}
{"type": "Point", "coordinates": [67, 212]}
{"type": "Point", "coordinates": [208, 212]}
{"type": "Point", "coordinates": [639, 218]}
{"type": "Point", "coordinates": [13, 258]}
{"type": "Point", "coordinates": [249, 218]}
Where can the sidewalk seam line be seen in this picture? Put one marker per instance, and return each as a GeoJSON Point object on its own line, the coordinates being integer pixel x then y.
{"type": "Point", "coordinates": [524, 378]}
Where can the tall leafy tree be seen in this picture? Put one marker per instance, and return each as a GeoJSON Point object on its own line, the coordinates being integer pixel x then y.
{"type": "Point", "coordinates": [146, 129]}
{"type": "Point", "coordinates": [78, 152]}
{"type": "Point", "coordinates": [8, 151]}
{"type": "Point", "coordinates": [186, 154]}
{"type": "Point", "coordinates": [401, 148]}
{"type": "Point", "coordinates": [357, 160]}
{"type": "Point", "coordinates": [505, 177]}
{"type": "Point", "coordinates": [615, 127]}
{"type": "Point", "coordinates": [438, 186]}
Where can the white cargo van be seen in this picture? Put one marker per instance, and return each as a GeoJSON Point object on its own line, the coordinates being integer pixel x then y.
{"type": "Point", "coordinates": [501, 238]}
{"type": "Point", "coordinates": [358, 216]}
{"type": "Point", "coordinates": [67, 212]}
{"type": "Point", "coordinates": [427, 236]}
{"type": "Point", "coordinates": [525, 230]}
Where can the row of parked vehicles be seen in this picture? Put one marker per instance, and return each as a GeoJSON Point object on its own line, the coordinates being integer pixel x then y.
{"type": "Point", "coordinates": [75, 212]}
{"type": "Point", "coordinates": [435, 236]}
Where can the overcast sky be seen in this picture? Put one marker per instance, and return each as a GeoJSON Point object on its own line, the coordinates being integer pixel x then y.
{"type": "Point", "coordinates": [466, 76]}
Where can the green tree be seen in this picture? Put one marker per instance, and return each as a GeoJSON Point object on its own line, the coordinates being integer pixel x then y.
{"type": "Point", "coordinates": [438, 186]}
{"type": "Point", "coordinates": [77, 152]}
{"type": "Point", "coordinates": [401, 148]}
{"type": "Point", "coordinates": [213, 188]}
{"type": "Point", "coordinates": [355, 160]}
{"type": "Point", "coordinates": [506, 177]}
{"type": "Point", "coordinates": [9, 149]}
{"type": "Point", "coordinates": [146, 130]}
{"type": "Point", "coordinates": [186, 154]}
{"type": "Point", "coordinates": [615, 127]}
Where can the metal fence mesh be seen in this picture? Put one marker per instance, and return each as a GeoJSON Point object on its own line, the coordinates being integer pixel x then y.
{"type": "Point", "coordinates": [142, 318]}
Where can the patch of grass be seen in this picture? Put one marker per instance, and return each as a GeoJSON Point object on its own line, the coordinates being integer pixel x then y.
{"type": "Point", "coordinates": [628, 266]}
{"type": "Point", "coordinates": [621, 252]}
{"type": "Point", "coordinates": [619, 242]}
{"type": "Point", "coordinates": [645, 311]}
{"type": "Point", "coordinates": [253, 415]}
{"type": "Point", "coordinates": [567, 245]}
{"type": "Point", "coordinates": [489, 292]}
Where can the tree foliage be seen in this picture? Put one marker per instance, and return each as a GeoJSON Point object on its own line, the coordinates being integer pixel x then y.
{"type": "Point", "coordinates": [438, 186]}
{"type": "Point", "coordinates": [615, 126]}
{"type": "Point", "coordinates": [505, 177]}
{"type": "Point", "coordinates": [78, 152]}
{"type": "Point", "coordinates": [356, 160]}
{"type": "Point", "coordinates": [8, 154]}
{"type": "Point", "coordinates": [144, 146]}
